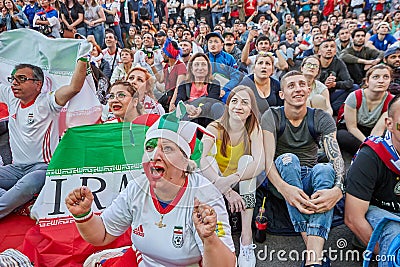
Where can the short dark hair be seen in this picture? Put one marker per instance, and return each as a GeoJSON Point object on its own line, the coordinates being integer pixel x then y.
{"type": "Point", "coordinates": [187, 30]}
{"type": "Point", "coordinates": [37, 71]}
{"type": "Point", "coordinates": [357, 30]}
{"type": "Point", "coordinates": [109, 30]}
{"type": "Point", "coordinates": [262, 38]}
{"type": "Point", "coordinates": [287, 75]}
{"type": "Point", "coordinates": [391, 103]}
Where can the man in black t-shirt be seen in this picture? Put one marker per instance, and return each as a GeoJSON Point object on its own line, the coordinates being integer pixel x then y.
{"type": "Point", "coordinates": [373, 186]}
{"type": "Point", "coordinates": [311, 190]}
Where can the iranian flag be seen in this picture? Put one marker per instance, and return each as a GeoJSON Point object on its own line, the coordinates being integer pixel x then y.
{"type": "Point", "coordinates": [104, 157]}
{"type": "Point", "coordinates": [57, 58]}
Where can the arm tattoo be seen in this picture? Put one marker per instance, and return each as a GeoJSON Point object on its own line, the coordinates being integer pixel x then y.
{"type": "Point", "coordinates": [332, 151]}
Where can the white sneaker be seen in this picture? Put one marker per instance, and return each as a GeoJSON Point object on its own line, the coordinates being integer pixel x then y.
{"type": "Point", "coordinates": [247, 257]}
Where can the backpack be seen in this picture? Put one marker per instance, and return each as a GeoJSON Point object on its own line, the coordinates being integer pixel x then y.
{"type": "Point", "coordinates": [310, 123]}
{"type": "Point", "coordinates": [358, 93]}
{"type": "Point", "coordinates": [144, 13]}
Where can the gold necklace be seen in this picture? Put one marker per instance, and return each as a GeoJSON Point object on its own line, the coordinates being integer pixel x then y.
{"type": "Point", "coordinates": [160, 223]}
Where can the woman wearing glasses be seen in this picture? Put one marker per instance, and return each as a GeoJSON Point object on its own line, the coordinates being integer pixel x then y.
{"type": "Point", "coordinates": [143, 82]}
{"type": "Point", "coordinates": [319, 94]}
{"type": "Point", "coordinates": [265, 88]}
{"type": "Point", "coordinates": [123, 101]}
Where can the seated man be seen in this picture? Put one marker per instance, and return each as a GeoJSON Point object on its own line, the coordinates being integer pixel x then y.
{"type": "Point", "coordinates": [33, 124]}
{"type": "Point", "coordinates": [311, 190]}
{"type": "Point", "coordinates": [373, 187]}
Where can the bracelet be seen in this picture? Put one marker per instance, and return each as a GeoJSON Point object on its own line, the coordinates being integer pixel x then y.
{"type": "Point", "coordinates": [84, 219]}
{"type": "Point", "coordinates": [84, 59]}
{"type": "Point", "coordinates": [81, 218]}
{"type": "Point", "coordinates": [82, 215]}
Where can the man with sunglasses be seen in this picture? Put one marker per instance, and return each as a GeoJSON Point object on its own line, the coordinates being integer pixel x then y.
{"type": "Point", "coordinates": [373, 188]}
{"type": "Point", "coordinates": [33, 125]}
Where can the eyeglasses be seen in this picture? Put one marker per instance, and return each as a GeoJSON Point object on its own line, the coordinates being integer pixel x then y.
{"type": "Point", "coordinates": [20, 79]}
{"type": "Point", "coordinates": [311, 65]}
{"type": "Point", "coordinates": [119, 96]}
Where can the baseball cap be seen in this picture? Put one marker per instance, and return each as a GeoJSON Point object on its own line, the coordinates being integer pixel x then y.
{"type": "Point", "coordinates": [214, 34]}
{"type": "Point", "coordinates": [383, 23]}
{"type": "Point", "coordinates": [392, 50]}
{"type": "Point", "coordinates": [161, 33]}
{"type": "Point", "coordinates": [227, 33]}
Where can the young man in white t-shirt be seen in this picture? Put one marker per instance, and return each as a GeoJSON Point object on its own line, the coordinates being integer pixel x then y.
{"type": "Point", "coordinates": [33, 125]}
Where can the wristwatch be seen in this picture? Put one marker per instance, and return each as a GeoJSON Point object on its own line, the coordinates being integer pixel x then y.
{"type": "Point", "coordinates": [341, 187]}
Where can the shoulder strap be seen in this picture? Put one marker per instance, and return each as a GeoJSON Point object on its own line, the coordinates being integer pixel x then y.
{"type": "Point", "coordinates": [389, 97]}
{"type": "Point", "coordinates": [358, 94]}
{"type": "Point", "coordinates": [311, 125]}
{"type": "Point", "coordinates": [282, 124]}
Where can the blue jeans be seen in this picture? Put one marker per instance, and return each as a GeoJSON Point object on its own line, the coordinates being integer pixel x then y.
{"type": "Point", "coordinates": [215, 16]}
{"type": "Point", "coordinates": [117, 30]}
{"type": "Point", "coordinates": [310, 180]}
{"type": "Point", "coordinates": [390, 231]}
{"type": "Point", "coordinates": [18, 184]}
{"type": "Point", "coordinates": [98, 32]}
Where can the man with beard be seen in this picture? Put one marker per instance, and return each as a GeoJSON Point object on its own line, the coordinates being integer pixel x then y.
{"type": "Point", "coordinates": [161, 36]}
{"type": "Point", "coordinates": [230, 46]}
{"type": "Point", "coordinates": [343, 41]}
{"type": "Point", "coordinates": [392, 59]}
{"type": "Point", "coordinates": [186, 46]}
{"type": "Point", "coordinates": [188, 35]}
{"type": "Point", "coordinates": [359, 58]}
{"type": "Point", "coordinates": [149, 51]}
{"type": "Point", "coordinates": [334, 74]}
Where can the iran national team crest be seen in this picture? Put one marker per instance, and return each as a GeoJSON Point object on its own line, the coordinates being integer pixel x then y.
{"type": "Point", "coordinates": [177, 238]}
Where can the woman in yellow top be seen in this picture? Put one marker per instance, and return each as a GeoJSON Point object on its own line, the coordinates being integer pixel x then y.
{"type": "Point", "coordinates": [238, 159]}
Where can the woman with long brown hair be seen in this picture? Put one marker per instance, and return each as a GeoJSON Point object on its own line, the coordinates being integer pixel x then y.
{"type": "Point", "coordinates": [12, 17]}
{"type": "Point", "coordinates": [238, 159]}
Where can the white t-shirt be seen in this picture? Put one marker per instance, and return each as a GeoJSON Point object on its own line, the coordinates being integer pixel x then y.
{"type": "Point", "coordinates": [110, 57]}
{"type": "Point", "coordinates": [33, 127]}
{"type": "Point", "coordinates": [177, 243]}
{"type": "Point", "coordinates": [152, 107]}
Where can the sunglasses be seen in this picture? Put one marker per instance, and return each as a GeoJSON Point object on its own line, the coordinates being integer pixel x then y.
{"type": "Point", "coordinates": [311, 65]}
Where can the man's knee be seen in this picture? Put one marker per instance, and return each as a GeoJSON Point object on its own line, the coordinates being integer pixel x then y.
{"type": "Point", "coordinates": [287, 159]}
{"type": "Point", "coordinates": [324, 169]}
{"type": "Point", "coordinates": [31, 183]}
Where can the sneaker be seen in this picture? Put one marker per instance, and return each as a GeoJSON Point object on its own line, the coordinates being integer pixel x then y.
{"type": "Point", "coordinates": [25, 210]}
{"type": "Point", "coordinates": [326, 262]}
{"type": "Point", "coordinates": [247, 257]}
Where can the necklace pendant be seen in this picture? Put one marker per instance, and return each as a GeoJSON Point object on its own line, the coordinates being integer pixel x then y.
{"type": "Point", "coordinates": [160, 223]}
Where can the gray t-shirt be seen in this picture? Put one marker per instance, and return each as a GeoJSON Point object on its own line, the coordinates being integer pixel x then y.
{"type": "Point", "coordinates": [298, 140]}
{"type": "Point", "coordinates": [365, 117]}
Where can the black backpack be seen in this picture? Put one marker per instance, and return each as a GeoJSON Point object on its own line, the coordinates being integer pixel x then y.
{"type": "Point", "coordinates": [144, 13]}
